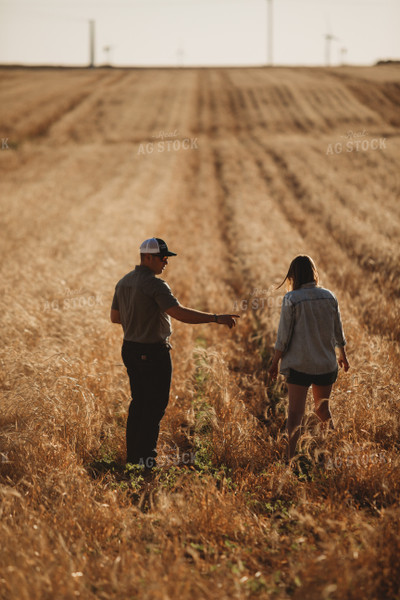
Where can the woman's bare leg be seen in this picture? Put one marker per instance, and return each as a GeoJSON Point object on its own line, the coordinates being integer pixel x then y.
{"type": "Point", "coordinates": [321, 395]}
{"type": "Point", "coordinates": [297, 404]}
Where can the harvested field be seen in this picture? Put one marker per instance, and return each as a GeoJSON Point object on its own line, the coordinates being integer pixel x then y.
{"type": "Point", "coordinates": [239, 170]}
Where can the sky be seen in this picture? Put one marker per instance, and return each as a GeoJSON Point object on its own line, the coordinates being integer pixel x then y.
{"type": "Point", "coordinates": [198, 32]}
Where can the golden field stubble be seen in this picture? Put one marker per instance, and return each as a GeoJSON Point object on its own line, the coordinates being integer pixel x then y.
{"type": "Point", "coordinates": [242, 525]}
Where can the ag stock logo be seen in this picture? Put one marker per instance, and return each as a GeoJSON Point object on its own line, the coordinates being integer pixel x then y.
{"type": "Point", "coordinates": [168, 141]}
{"type": "Point", "coordinates": [356, 142]}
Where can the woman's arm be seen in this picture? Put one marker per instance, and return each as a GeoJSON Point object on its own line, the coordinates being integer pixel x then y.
{"type": "Point", "coordinates": [340, 341]}
{"type": "Point", "coordinates": [342, 360]}
{"type": "Point", "coordinates": [285, 331]}
{"type": "Point", "coordinates": [273, 370]}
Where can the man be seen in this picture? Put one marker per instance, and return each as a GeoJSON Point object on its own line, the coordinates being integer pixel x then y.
{"type": "Point", "coordinates": [143, 305]}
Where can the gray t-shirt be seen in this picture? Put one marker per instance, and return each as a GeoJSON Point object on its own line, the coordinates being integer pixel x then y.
{"type": "Point", "coordinates": [142, 299]}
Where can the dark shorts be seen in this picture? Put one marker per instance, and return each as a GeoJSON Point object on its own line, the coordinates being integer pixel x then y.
{"type": "Point", "coordinates": [305, 379]}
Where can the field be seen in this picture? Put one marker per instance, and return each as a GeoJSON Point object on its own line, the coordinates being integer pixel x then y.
{"type": "Point", "coordinates": [239, 170]}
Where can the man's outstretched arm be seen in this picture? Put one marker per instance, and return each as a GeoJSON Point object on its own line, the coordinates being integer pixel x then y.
{"type": "Point", "coordinates": [194, 317]}
{"type": "Point", "coordinates": [114, 316]}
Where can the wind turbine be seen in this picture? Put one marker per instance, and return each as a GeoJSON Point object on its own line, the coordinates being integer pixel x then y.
{"type": "Point", "coordinates": [328, 39]}
{"type": "Point", "coordinates": [180, 55]}
{"type": "Point", "coordinates": [107, 51]}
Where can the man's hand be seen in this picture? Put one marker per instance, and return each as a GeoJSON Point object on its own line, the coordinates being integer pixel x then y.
{"type": "Point", "coordinates": [229, 320]}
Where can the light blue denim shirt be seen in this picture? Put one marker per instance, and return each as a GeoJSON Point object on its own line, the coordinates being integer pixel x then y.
{"type": "Point", "coordinates": [310, 328]}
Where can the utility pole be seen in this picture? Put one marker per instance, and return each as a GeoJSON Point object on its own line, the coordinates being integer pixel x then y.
{"type": "Point", "coordinates": [91, 43]}
{"type": "Point", "coordinates": [270, 32]}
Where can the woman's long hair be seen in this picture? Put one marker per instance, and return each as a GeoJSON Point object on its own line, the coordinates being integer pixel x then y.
{"type": "Point", "coordinates": [302, 270]}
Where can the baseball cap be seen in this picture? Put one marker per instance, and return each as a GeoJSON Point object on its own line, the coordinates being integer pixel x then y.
{"type": "Point", "coordinates": [155, 246]}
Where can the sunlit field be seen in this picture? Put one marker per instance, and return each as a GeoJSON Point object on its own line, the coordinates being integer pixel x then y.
{"type": "Point", "coordinates": [239, 170]}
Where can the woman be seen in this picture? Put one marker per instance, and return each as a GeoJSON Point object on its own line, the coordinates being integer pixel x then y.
{"type": "Point", "coordinates": [310, 328]}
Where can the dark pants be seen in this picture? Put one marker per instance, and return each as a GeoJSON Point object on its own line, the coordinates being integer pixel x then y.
{"type": "Point", "coordinates": [149, 368]}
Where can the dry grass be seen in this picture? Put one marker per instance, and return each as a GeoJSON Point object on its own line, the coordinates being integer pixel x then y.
{"type": "Point", "coordinates": [77, 200]}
